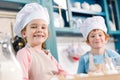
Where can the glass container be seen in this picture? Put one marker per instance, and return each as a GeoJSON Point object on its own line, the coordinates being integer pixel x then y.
{"type": "Point", "coordinates": [10, 69]}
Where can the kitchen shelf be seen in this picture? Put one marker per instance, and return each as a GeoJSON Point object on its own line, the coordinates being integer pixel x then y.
{"type": "Point", "coordinates": [81, 11]}
{"type": "Point", "coordinates": [21, 1]}
{"type": "Point", "coordinates": [68, 32]}
{"type": "Point", "coordinates": [114, 33]}
{"type": "Point", "coordinates": [15, 6]}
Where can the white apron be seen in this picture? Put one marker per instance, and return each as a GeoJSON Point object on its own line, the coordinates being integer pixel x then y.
{"type": "Point", "coordinates": [106, 66]}
{"type": "Point", "coordinates": [42, 68]}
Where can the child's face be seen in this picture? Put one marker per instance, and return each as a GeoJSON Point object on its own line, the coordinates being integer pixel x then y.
{"type": "Point", "coordinates": [36, 32]}
{"type": "Point", "coordinates": [97, 39]}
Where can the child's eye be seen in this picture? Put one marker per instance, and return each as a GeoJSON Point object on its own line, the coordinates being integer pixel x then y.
{"type": "Point", "coordinates": [44, 26]}
{"type": "Point", "coordinates": [34, 26]}
{"type": "Point", "coordinates": [100, 35]}
{"type": "Point", "coordinates": [92, 36]}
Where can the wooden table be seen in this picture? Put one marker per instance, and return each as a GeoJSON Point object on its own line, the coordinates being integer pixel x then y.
{"type": "Point", "coordinates": [98, 77]}
{"type": "Point", "coordinates": [101, 77]}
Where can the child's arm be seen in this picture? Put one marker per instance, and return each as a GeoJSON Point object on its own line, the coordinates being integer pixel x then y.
{"type": "Point", "coordinates": [24, 59]}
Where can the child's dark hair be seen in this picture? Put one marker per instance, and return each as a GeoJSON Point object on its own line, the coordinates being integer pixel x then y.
{"type": "Point", "coordinates": [106, 36]}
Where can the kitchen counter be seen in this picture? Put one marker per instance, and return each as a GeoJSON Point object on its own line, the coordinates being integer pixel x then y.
{"type": "Point", "coordinates": [101, 77]}
{"type": "Point", "coordinates": [97, 77]}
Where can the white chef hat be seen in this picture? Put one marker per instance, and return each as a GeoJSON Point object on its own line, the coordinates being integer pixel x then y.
{"type": "Point", "coordinates": [28, 13]}
{"type": "Point", "coordinates": [95, 22]}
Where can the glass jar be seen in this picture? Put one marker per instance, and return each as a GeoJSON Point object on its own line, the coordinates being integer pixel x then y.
{"type": "Point", "coordinates": [10, 69]}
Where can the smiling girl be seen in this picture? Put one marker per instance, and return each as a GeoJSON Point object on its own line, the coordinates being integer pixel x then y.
{"type": "Point", "coordinates": [32, 25]}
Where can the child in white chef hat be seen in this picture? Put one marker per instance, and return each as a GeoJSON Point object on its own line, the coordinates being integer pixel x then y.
{"type": "Point", "coordinates": [97, 59]}
{"type": "Point", "coordinates": [37, 63]}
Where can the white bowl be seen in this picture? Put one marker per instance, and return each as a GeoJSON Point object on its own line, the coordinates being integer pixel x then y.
{"type": "Point", "coordinates": [95, 8]}
{"type": "Point", "coordinates": [85, 6]}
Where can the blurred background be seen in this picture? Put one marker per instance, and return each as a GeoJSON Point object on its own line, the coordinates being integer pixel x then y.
{"type": "Point", "coordinates": [66, 42]}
